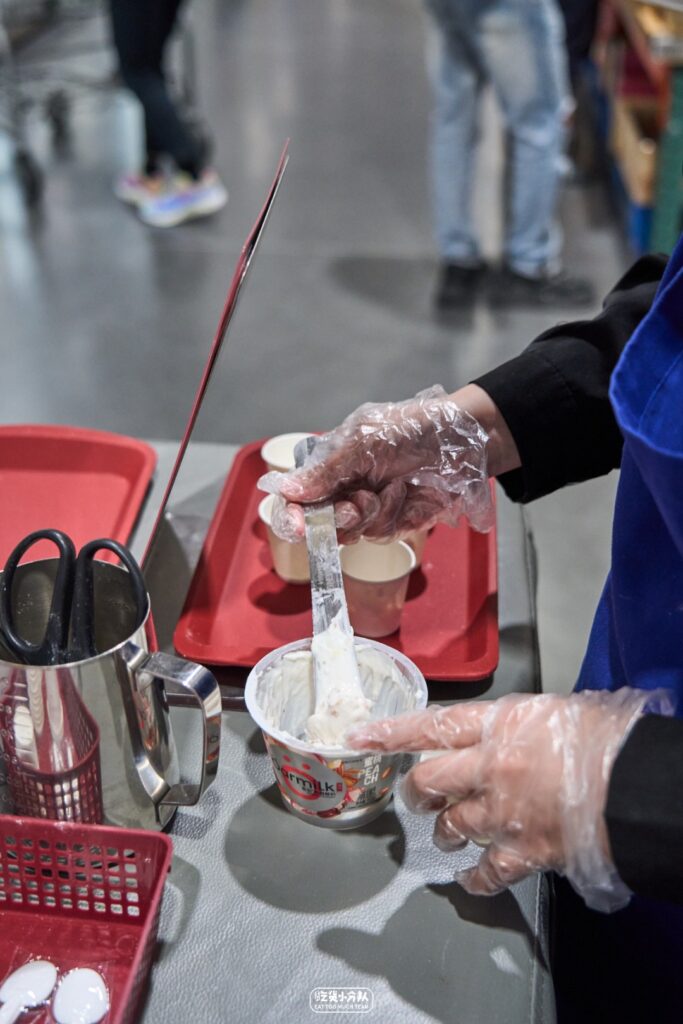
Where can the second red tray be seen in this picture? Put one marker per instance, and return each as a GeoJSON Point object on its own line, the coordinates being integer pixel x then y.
{"type": "Point", "coordinates": [237, 609]}
{"type": "Point", "coordinates": [86, 482]}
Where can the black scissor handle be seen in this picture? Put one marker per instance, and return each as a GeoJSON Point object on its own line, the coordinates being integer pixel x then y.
{"type": "Point", "coordinates": [52, 648]}
{"type": "Point", "coordinates": [83, 607]}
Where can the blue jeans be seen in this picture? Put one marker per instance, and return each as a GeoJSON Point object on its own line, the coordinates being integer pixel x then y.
{"type": "Point", "coordinates": [517, 46]}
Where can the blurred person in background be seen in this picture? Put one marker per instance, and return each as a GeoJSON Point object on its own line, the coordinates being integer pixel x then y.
{"type": "Point", "coordinates": [581, 18]}
{"type": "Point", "coordinates": [518, 47]}
{"type": "Point", "coordinates": [141, 31]}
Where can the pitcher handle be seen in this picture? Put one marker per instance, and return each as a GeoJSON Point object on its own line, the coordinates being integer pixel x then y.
{"type": "Point", "coordinates": [186, 677]}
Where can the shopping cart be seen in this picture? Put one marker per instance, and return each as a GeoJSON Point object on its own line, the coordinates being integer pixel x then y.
{"type": "Point", "coordinates": [51, 53]}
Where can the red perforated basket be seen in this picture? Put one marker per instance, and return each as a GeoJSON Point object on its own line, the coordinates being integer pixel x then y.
{"type": "Point", "coordinates": [82, 896]}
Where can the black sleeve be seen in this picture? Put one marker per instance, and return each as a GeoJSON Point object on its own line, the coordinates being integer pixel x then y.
{"type": "Point", "coordinates": [554, 395]}
{"type": "Point", "coordinates": [644, 810]}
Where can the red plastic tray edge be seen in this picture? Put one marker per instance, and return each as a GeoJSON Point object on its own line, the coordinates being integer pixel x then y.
{"type": "Point", "coordinates": [130, 1001]}
{"type": "Point", "coordinates": [183, 640]}
{"type": "Point", "coordinates": [102, 439]}
{"type": "Point", "coordinates": [483, 667]}
{"type": "Point", "coordinates": [187, 646]}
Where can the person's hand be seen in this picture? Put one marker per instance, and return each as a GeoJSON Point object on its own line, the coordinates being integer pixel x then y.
{"type": "Point", "coordinates": [524, 776]}
{"type": "Point", "coordinates": [390, 469]}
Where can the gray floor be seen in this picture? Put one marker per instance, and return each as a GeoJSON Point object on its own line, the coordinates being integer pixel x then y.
{"type": "Point", "coordinates": [106, 323]}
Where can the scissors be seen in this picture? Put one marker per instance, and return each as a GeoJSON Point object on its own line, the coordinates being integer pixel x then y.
{"type": "Point", "coordinates": [73, 600]}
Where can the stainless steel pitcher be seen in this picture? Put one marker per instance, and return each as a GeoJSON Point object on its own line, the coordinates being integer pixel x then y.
{"type": "Point", "coordinates": [92, 740]}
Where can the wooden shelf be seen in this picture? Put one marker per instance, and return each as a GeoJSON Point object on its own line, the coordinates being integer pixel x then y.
{"type": "Point", "coordinates": [653, 35]}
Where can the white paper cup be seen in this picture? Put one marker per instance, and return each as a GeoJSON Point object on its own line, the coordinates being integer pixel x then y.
{"type": "Point", "coordinates": [326, 786]}
{"type": "Point", "coordinates": [375, 582]}
{"type": "Point", "coordinates": [278, 452]}
{"type": "Point", "coordinates": [290, 561]}
{"type": "Point", "coordinates": [417, 540]}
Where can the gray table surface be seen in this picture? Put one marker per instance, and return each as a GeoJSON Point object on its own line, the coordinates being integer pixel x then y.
{"type": "Point", "coordinates": [261, 909]}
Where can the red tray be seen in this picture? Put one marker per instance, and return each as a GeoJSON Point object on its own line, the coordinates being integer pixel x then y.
{"type": "Point", "coordinates": [85, 482]}
{"type": "Point", "coordinates": [237, 609]}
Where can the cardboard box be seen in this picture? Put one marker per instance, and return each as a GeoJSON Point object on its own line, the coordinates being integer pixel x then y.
{"type": "Point", "coordinates": [634, 146]}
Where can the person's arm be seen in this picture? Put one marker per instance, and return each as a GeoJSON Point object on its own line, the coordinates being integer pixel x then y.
{"type": "Point", "coordinates": [644, 811]}
{"type": "Point", "coordinates": [501, 449]}
{"type": "Point", "coordinates": [554, 399]}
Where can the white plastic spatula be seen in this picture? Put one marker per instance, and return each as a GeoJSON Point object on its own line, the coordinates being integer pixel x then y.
{"type": "Point", "coordinates": [26, 988]}
{"type": "Point", "coordinates": [82, 998]}
{"type": "Point", "coordinates": [327, 588]}
{"type": "Point", "coordinates": [336, 674]}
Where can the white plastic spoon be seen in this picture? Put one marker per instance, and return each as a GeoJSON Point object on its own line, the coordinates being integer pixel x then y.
{"type": "Point", "coordinates": [81, 998]}
{"type": "Point", "coordinates": [26, 988]}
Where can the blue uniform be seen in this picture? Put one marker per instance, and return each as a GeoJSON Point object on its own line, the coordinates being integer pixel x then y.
{"type": "Point", "coordinates": [637, 634]}
{"type": "Point", "coordinates": [628, 966]}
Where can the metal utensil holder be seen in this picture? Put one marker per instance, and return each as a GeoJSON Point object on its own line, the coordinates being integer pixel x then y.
{"type": "Point", "coordinates": [60, 777]}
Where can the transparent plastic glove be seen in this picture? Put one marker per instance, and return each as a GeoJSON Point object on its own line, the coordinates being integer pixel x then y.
{"type": "Point", "coordinates": [524, 776]}
{"type": "Point", "coordinates": [390, 469]}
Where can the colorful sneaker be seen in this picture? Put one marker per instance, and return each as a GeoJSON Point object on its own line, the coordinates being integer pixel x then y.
{"type": "Point", "coordinates": [137, 189]}
{"type": "Point", "coordinates": [184, 199]}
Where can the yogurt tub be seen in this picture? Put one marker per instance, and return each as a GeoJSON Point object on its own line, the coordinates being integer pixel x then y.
{"type": "Point", "coordinates": [329, 786]}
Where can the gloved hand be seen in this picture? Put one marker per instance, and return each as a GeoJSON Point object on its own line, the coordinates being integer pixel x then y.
{"type": "Point", "coordinates": [524, 776]}
{"type": "Point", "coordinates": [390, 469]}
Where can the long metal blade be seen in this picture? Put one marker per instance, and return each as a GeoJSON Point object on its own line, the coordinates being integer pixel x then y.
{"type": "Point", "coordinates": [328, 599]}
{"type": "Point", "coordinates": [327, 588]}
